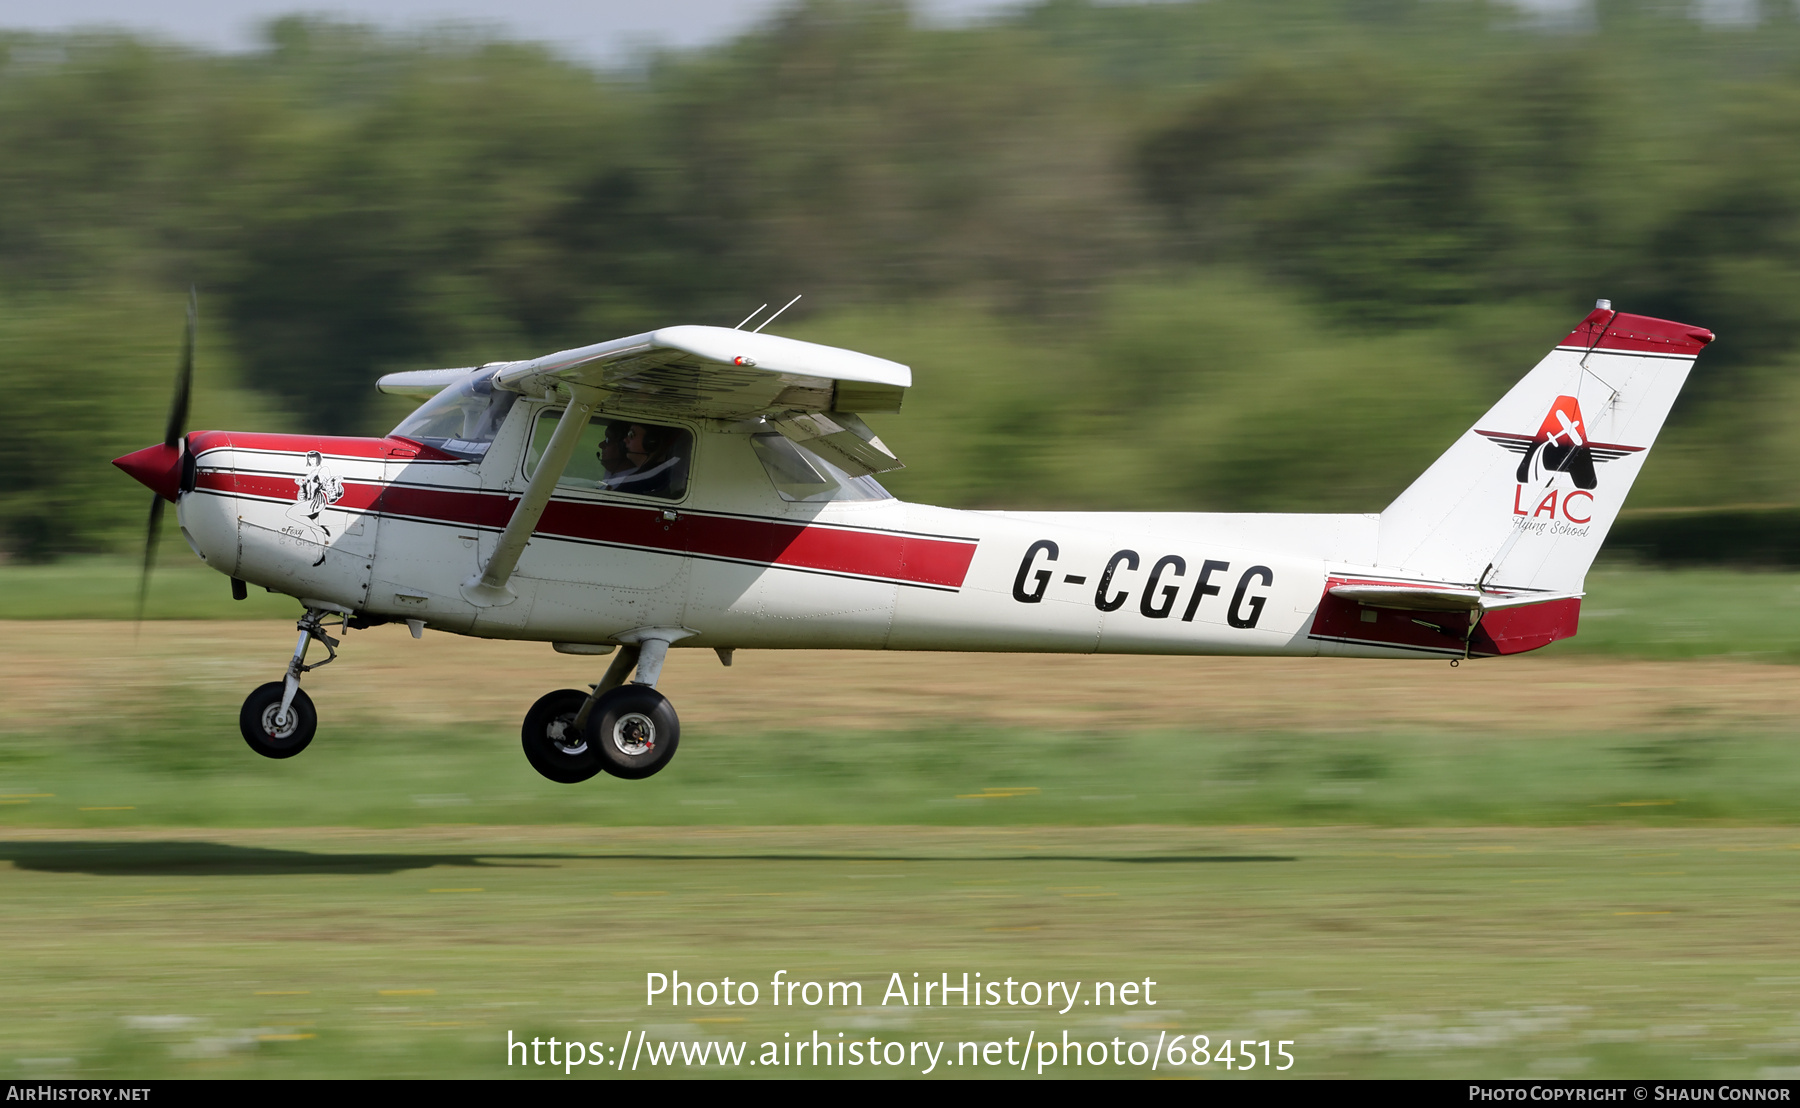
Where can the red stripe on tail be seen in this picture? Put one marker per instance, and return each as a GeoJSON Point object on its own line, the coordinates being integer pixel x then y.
{"type": "Point", "coordinates": [1605, 329]}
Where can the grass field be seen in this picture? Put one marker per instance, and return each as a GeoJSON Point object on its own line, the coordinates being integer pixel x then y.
{"type": "Point", "coordinates": [1430, 952]}
{"type": "Point", "coordinates": [1576, 863]}
{"type": "Point", "coordinates": [426, 733]}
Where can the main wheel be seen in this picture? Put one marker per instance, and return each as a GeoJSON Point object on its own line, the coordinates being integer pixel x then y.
{"type": "Point", "coordinates": [268, 738]}
{"type": "Point", "coordinates": [552, 745]}
{"type": "Point", "coordinates": [635, 731]}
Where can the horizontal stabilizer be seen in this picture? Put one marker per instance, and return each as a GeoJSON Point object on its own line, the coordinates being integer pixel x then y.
{"type": "Point", "coordinates": [1449, 598]}
{"type": "Point", "coordinates": [1448, 620]}
{"type": "Point", "coordinates": [1409, 598]}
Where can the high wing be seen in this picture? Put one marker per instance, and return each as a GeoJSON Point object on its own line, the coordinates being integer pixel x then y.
{"type": "Point", "coordinates": [719, 373]}
{"type": "Point", "coordinates": [808, 392]}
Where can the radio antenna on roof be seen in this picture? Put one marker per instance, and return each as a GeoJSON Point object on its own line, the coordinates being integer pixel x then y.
{"type": "Point", "coordinates": [749, 317]}
{"type": "Point", "coordinates": [771, 319]}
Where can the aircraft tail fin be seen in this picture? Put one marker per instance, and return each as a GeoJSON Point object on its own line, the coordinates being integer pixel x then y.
{"type": "Point", "coordinates": [1526, 496]}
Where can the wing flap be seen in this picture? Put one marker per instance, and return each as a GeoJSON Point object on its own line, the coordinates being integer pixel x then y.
{"type": "Point", "coordinates": [841, 438]}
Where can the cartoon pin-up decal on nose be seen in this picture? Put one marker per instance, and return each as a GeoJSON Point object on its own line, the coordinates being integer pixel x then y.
{"type": "Point", "coordinates": [318, 490]}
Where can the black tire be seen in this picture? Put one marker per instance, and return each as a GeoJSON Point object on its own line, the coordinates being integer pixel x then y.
{"type": "Point", "coordinates": [257, 721]}
{"type": "Point", "coordinates": [634, 730]}
{"type": "Point", "coordinates": [544, 739]}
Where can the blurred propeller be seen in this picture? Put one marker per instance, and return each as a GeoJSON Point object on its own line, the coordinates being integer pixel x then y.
{"type": "Point", "coordinates": [178, 413]}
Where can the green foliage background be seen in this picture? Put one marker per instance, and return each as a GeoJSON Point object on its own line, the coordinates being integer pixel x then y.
{"type": "Point", "coordinates": [1206, 255]}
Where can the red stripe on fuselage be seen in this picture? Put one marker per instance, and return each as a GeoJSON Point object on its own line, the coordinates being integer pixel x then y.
{"type": "Point", "coordinates": [888, 555]}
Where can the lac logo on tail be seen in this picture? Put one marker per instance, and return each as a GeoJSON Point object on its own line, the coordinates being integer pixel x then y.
{"type": "Point", "coordinates": [1561, 445]}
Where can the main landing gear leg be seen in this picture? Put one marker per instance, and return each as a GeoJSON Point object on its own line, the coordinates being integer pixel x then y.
{"type": "Point", "coordinates": [616, 674]}
{"type": "Point", "coordinates": [278, 720]}
{"type": "Point", "coordinates": [627, 730]}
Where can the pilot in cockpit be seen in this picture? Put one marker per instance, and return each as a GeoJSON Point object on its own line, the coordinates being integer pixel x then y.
{"type": "Point", "coordinates": [611, 453]}
{"type": "Point", "coordinates": [654, 455]}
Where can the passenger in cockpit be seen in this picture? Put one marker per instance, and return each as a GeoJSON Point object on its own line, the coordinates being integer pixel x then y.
{"type": "Point", "coordinates": [657, 465]}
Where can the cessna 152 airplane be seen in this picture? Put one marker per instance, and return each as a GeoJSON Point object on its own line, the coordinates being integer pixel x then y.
{"type": "Point", "coordinates": [713, 487]}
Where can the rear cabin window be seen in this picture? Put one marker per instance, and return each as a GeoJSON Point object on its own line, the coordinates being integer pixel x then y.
{"type": "Point", "coordinates": [801, 476]}
{"type": "Point", "coordinates": [620, 455]}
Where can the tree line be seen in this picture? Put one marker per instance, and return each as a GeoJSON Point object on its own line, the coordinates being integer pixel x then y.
{"type": "Point", "coordinates": [1216, 255]}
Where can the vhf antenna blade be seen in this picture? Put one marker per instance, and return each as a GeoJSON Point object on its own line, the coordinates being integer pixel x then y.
{"type": "Point", "coordinates": [749, 317]}
{"type": "Point", "coordinates": [771, 319]}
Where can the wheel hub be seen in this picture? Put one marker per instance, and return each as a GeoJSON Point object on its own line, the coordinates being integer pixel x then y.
{"type": "Point", "coordinates": [565, 738]}
{"type": "Point", "coordinates": [277, 726]}
{"type": "Point", "coordinates": [634, 734]}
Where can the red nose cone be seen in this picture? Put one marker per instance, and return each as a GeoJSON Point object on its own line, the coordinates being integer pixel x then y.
{"type": "Point", "coordinates": [158, 467]}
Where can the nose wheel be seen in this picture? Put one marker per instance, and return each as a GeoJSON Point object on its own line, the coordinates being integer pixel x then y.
{"type": "Point", "coordinates": [271, 733]}
{"type": "Point", "coordinates": [278, 720]}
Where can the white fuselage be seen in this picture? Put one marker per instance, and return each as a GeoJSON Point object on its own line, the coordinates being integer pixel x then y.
{"type": "Point", "coordinates": [358, 525]}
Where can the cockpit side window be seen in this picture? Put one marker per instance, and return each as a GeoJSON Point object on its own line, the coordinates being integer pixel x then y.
{"type": "Point", "coordinates": [801, 476]}
{"type": "Point", "coordinates": [620, 455]}
{"type": "Point", "coordinates": [461, 420]}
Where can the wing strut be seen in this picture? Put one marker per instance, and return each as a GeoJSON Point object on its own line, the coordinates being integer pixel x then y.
{"type": "Point", "coordinates": [489, 588]}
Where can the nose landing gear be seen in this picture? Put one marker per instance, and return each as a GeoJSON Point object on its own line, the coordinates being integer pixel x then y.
{"type": "Point", "coordinates": [278, 720]}
{"type": "Point", "coordinates": [627, 730]}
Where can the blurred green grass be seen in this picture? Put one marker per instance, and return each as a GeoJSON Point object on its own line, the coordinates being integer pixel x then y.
{"type": "Point", "coordinates": [186, 767]}
{"type": "Point", "coordinates": [106, 587]}
{"type": "Point", "coordinates": [1646, 612]}
{"type": "Point", "coordinates": [1420, 953]}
